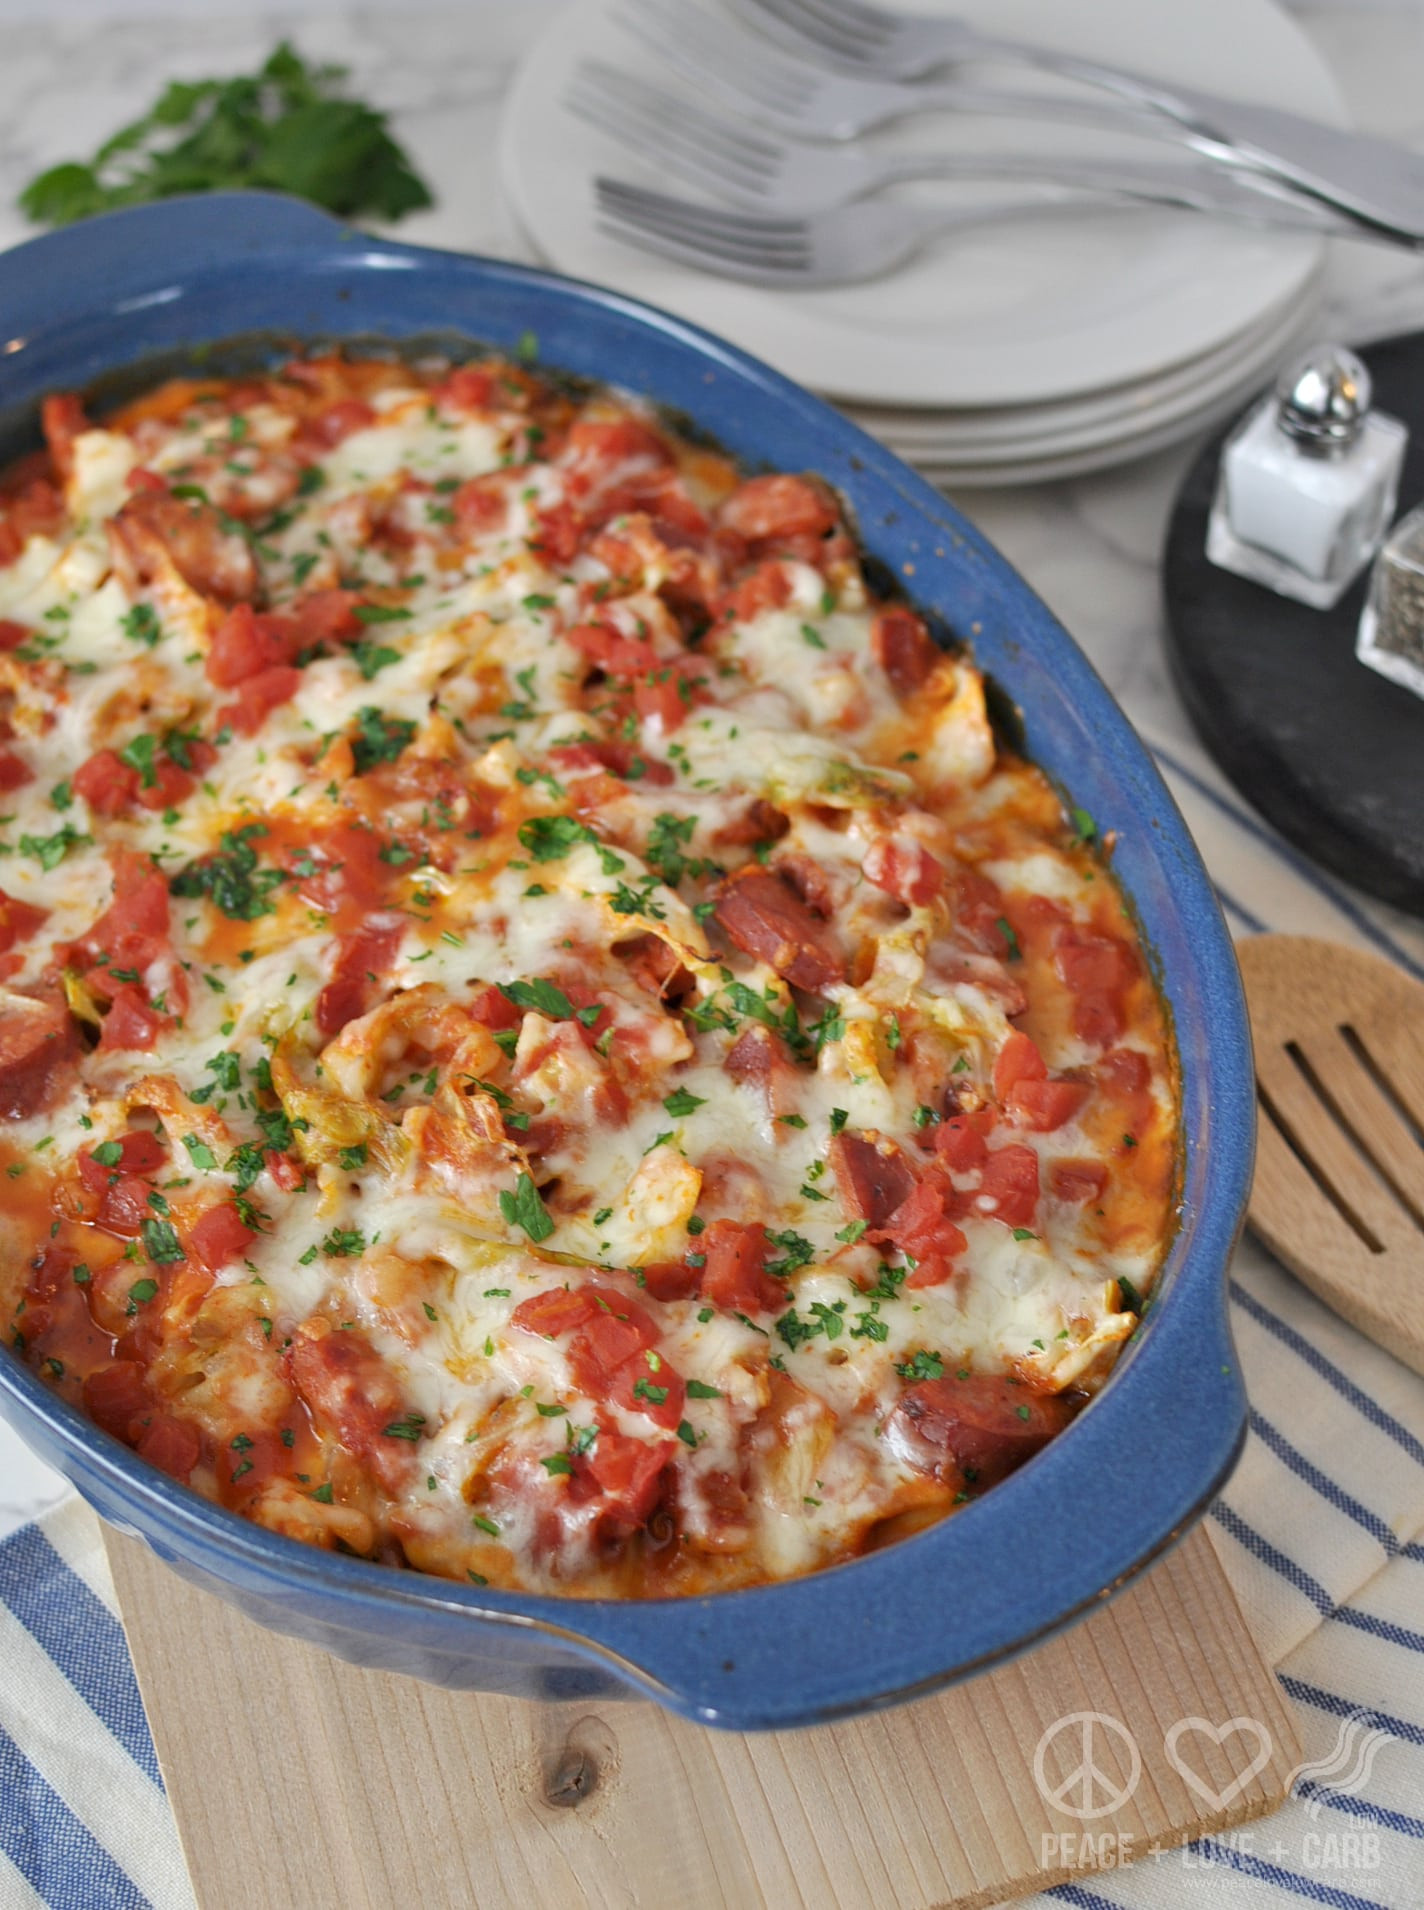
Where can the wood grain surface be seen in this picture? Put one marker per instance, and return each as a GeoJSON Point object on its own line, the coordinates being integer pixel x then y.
{"type": "Point", "coordinates": [1339, 1189]}
{"type": "Point", "coordinates": [302, 1783]}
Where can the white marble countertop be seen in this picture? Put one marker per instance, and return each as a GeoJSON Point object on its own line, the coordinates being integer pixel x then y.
{"type": "Point", "coordinates": [73, 70]}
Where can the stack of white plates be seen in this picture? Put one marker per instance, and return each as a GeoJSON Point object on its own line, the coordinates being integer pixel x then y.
{"type": "Point", "coordinates": [1008, 355]}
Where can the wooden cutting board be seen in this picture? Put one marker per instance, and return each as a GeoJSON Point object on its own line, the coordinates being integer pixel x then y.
{"type": "Point", "coordinates": [303, 1783]}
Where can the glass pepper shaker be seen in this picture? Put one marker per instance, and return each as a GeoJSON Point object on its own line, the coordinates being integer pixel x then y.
{"type": "Point", "coordinates": [1308, 481]}
{"type": "Point", "coordinates": [1391, 635]}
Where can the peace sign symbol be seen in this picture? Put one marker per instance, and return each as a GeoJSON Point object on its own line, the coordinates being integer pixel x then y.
{"type": "Point", "coordinates": [1088, 1790]}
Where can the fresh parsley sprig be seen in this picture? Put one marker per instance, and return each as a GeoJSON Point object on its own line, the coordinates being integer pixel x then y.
{"type": "Point", "coordinates": [287, 127]}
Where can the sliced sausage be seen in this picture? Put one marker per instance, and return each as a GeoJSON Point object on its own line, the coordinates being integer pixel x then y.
{"type": "Point", "coordinates": [155, 529]}
{"type": "Point", "coordinates": [873, 1177]}
{"type": "Point", "coordinates": [976, 1429]}
{"type": "Point", "coordinates": [903, 648]}
{"type": "Point", "coordinates": [766, 918]}
{"type": "Point", "coordinates": [37, 1040]}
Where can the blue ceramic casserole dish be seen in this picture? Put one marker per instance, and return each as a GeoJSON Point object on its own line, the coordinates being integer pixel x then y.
{"type": "Point", "coordinates": [1134, 1469]}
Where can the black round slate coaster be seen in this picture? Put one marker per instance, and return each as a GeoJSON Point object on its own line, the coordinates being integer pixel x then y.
{"type": "Point", "coordinates": [1328, 751]}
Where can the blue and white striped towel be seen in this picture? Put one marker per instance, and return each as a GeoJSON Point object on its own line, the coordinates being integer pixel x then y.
{"type": "Point", "coordinates": [1321, 1530]}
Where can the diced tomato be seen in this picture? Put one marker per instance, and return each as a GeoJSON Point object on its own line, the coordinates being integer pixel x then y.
{"type": "Point", "coordinates": [142, 479]}
{"type": "Point", "coordinates": [976, 1429]}
{"type": "Point", "coordinates": [12, 635]}
{"type": "Point", "coordinates": [245, 644]}
{"type": "Point", "coordinates": [62, 420]}
{"type": "Point", "coordinates": [106, 783]}
{"type": "Point", "coordinates": [959, 1143]}
{"type": "Point", "coordinates": [978, 908]}
{"type": "Point", "coordinates": [170, 786]}
{"type": "Point", "coordinates": [620, 656]}
{"type": "Point", "coordinates": [779, 506]}
{"type": "Point", "coordinates": [921, 1227]}
{"type": "Point", "coordinates": [556, 1311]}
{"type": "Point", "coordinates": [1077, 1181]}
{"type": "Point", "coordinates": [1018, 1060]}
{"type": "Point", "coordinates": [131, 1021]}
{"type": "Point", "coordinates": [468, 388]}
{"type": "Point", "coordinates": [734, 1276]}
{"type": "Point", "coordinates": [903, 648]}
{"type": "Point", "coordinates": [124, 1205]}
{"type": "Point", "coordinates": [603, 453]}
{"type": "Point", "coordinates": [480, 504]}
{"type": "Point", "coordinates": [257, 696]}
{"type": "Point", "coordinates": [1097, 969]}
{"type": "Point", "coordinates": [285, 1170]}
{"type": "Point", "coordinates": [611, 1336]}
{"type": "Point", "coordinates": [359, 962]}
{"type": "Point", "coordinates": [558, 534]}
{"type": "Point", "coordinates": [326, 616]}
{"type": "Point", "coordinates": [116, 1397]}
{"type": "Point", "coordinates": [905, 869]}
{"type": "Point", "coordinates": [619, 758]}
{"type": "Point", "coordinates": [664, 697]}
{"type": "Point", "coordinates": [173, 1445]}
{"type": "Point", "coordinates": [671, 1280]}
{"type": "Point", "coordinates": [340, 420]}
{"type": "Point", "coordinates": [219, 1236]}
{"type": "Point", "coordinates": [495, 1010]}
{"type": "Point", "coordinates": [638, 1383]}
{"type": "Point", "coordinates": [15, 772]}
{"type": "Point", "coordinates": [140, 1152]}
{"type": "Point", "coordinates": [1045, 1105]}
{"type": "Point", "coordinates": [768, 587]}
{"type": "Point", "coordinates": [628, 1472]}
{"type": "Point", "coordinates": [18, 921]}
{"type": "Point", "coordinates": [1009, 1191]}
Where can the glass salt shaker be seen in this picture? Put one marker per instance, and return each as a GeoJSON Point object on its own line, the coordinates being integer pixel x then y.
{"type": "Point", "coordinates": [1308, 481]}
{"type": "Point", "coordinates": [1391, 637]}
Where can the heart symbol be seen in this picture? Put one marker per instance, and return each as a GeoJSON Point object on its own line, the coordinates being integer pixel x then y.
{"type": "Point", "coordinates": [1218, 1733]}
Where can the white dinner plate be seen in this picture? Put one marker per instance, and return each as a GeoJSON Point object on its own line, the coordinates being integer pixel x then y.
{"type": "Point", "coordinates": [1020, 424]}
{"type": "Point", "coordinates": [1036, 310]}
{"type": "Point", "coordinates": [1224, 377]}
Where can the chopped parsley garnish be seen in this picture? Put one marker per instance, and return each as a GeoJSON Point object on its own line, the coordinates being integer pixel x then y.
{"type": "Point", "coordinates": [352, 1157]}
{"type": "Point", "coordinates": [343, 1242]}
{"type": "Point", "coordinates": [922, 1365]}
{"type": "Point", "coordinates": [550, 838]}
{"type": "Point", "coordinates": [699, 1389]}
{"type": "Point", "coordinates": [1132, 1301]}
{"type": "Point", "coordinates": [231, 878]}
{"type": "Point", "coordinates": [379, 738]}
{"type": "Point", "coordinates": [411, 1426]}
{"type": "Point", "coordinates": [50, 851]}
{"type": "Point", "coordinates": [370, 658]}
{"type": "Point", "coordinates": [681, 1103]}
{"type": "Point", "coordinates": [199, 1152]}
{"type": "Point", "coordinates": [160, 1240]}
{"type": "Point", "coordinates": [543, 997]}
{"type": "Point", "coordinates": [380, 613]}
{"type": "Point", "coordinates": [523, 1208]}
{"type": "Point", "coordinates": [1011, 941]}
{"type": "Point", "coordinates": [141, 625]}
{"type": "Point", "coordinates": [1085, 829]}
{"type": "Point", "coordinates": [557, 1462]}
{"type": "Point", "coordinates": [287, 127]}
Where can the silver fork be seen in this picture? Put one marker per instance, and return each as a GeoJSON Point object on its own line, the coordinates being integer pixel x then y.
{"type": "Point", "coordinates": [752, 168]}
{"type": "Point", "coordinates": [843, 247]}
{"type": "Point", "coordinates": [1369, 180]}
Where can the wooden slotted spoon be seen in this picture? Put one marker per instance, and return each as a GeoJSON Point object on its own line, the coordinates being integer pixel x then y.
{"type": "Point", "coordinates": [1339, 1190]}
